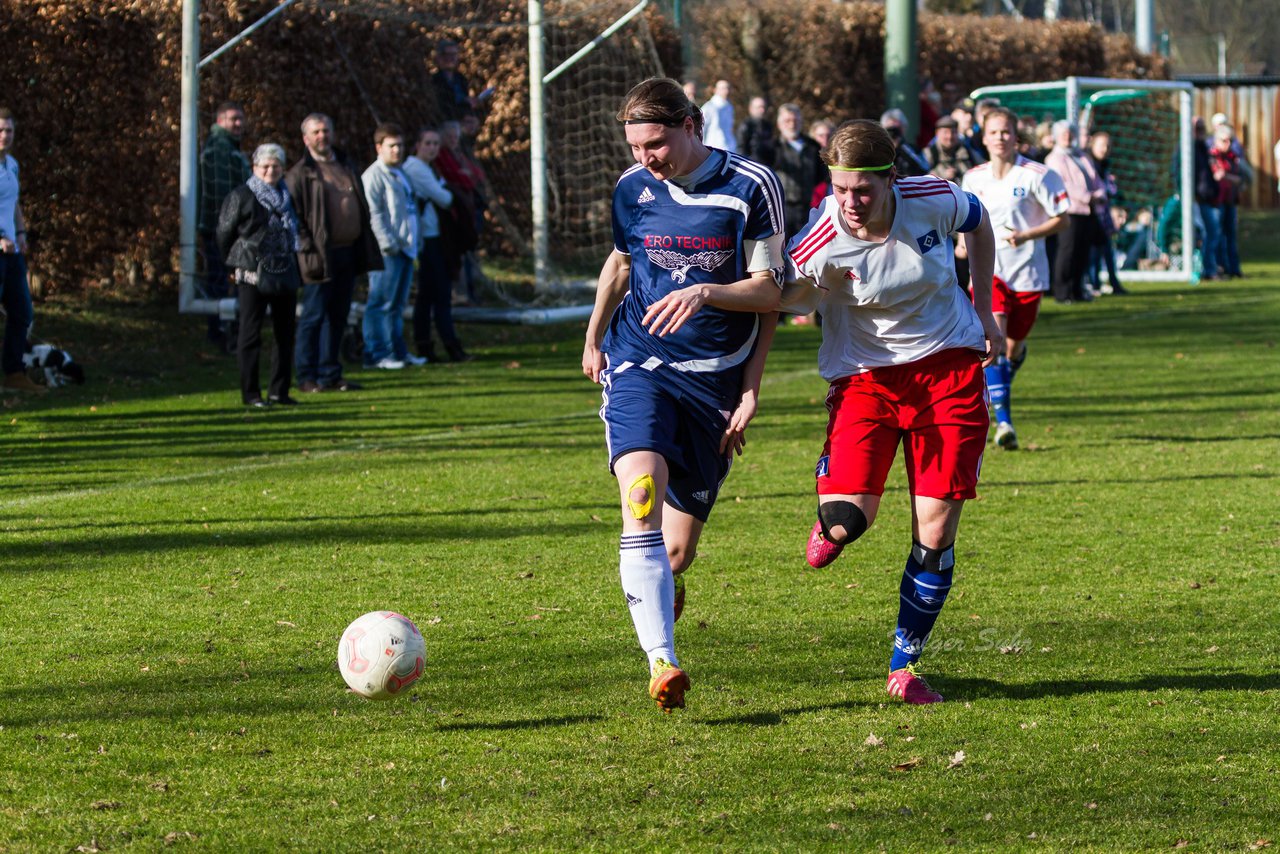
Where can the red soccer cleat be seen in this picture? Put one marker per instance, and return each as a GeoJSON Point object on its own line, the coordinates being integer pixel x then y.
{"type": "Point", "coordinates": [910, 687]}
{"type": "Point", "coordinates": [667, 685]}
{"type": "Point", "coordinates": [820, 552]}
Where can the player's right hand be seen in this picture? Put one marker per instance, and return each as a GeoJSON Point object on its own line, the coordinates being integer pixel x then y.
{"type": "Point", "coordinates": [592, 362]}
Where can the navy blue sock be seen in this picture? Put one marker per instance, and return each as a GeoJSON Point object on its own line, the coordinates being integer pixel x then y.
{"type": "Point", "coordinates": [925, 583]}
{"type": "Point", "coordinates": [998, 380]}
{"type": "Point", "coordinates": [1016, 362]}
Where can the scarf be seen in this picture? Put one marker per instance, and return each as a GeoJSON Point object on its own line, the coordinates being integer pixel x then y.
{"type": "Point", "coordinates": [279, 208]}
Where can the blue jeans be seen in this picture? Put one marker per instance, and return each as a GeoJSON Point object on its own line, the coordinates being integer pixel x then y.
{"type": "Point", "coordinates": [325, 307]}
{"type": "Point", "coordinates": [15, 294]}
{"type": "Point", "coordinates": [1228, 252]}
{"type": "Point", "coordinates": [384, 310]}
{"type": "Point", "coordinates": [1211, 215]}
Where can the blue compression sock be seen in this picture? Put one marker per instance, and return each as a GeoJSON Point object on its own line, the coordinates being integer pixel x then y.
{"type": "Point", "coordinates": [998, 379]}
{"type": "Point", "coordinates": [925, 583]}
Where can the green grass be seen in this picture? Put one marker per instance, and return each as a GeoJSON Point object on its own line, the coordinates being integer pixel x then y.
{"type": "Point", "coordinates": [175, 572]}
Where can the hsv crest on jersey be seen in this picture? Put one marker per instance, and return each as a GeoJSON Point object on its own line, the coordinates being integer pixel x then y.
{"type": "Point", "coordinates": [645, 196]}
{"type": "Point", "coordinates": [928, 241]}
{"type": "Point", "coordinates": [679, 263]}
{"type": "Point", "coordinates": [1019, 192]}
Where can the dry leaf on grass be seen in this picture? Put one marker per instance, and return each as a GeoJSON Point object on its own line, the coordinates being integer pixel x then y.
{"type": "Point", "coordinates": [874, 741]}
{"type": "Point", "coordinates": [957, 760]}
{"type": "Point", "coordinates": [913, 762]}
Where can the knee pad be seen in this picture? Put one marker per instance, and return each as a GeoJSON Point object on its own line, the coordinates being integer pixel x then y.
{"type": "Point", "coordinates": [843, 513]}
{"type": "Point", "coordinates": [641, 509]}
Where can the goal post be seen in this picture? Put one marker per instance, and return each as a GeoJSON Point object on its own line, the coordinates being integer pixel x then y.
{"type": "Point", "coordinates": [1150, 123]}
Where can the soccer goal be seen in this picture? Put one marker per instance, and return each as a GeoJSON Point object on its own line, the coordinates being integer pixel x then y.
{"type": "Point", "coordinates": [1151, 136]}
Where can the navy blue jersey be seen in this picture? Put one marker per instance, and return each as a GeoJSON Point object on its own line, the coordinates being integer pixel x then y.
{"type": "Point", "coordinates": [679, 236]}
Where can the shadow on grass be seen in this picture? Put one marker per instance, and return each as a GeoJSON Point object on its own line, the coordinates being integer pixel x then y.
{"type": "Point", "coordinates": [973, 689]}
{"type": "Point", "coordinates": [774, 718]}
{"type": "Point", "coordinates": [528, 723]}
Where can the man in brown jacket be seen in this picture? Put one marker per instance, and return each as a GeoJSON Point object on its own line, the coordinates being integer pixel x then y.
{"type": "Point", "coordinates": [337, 245]}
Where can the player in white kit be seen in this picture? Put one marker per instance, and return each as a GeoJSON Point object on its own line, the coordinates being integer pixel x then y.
{"type": "Point", "coordinates": [902, 347]}
{"type": "Point", "coordinates": [1026, 202]}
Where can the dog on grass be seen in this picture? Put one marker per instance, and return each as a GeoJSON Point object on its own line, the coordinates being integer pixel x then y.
{"type": "Point", "coordinates": [58, 366]}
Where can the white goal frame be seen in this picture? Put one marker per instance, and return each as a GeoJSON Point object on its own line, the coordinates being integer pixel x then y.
{"type": "Point", "coordinates": [1077, 114]}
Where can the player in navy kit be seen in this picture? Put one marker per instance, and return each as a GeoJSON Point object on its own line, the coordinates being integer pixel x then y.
{"type": "Point", "coordinates": [683, 320]}
{"type": "Point", "coordinates": [902, 347]}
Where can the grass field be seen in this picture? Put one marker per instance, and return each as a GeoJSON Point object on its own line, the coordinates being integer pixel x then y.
{"type": "Point", "coordinates": [175, 573]}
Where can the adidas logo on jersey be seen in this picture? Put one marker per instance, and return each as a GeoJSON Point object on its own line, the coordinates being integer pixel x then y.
{"type": "Point", "coordinates": [851, 276]}
{"type": "Point", "coordinates": [646, 196]}
{"type": "Point", "coordinates": [633, 601]}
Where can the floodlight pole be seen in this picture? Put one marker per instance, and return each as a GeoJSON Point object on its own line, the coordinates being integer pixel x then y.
{"type": "Point", "coordinates": [1144, 25]}
{"type": "Point", "coordinates": [901, 88]}
{"type": "Point", "coordinates": [538, 151]}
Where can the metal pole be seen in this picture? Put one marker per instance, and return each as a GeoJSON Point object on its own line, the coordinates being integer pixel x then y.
{"type": "Point", "coordinates": [245, 33]}
{"type": "Point", "coordinates": [1144, 24]}
{"type": "Point", "coordinates": [537, 151]}
{"type": "Point", "coordinates": [901, 88]}
{"type": "Point", "coordinates": [189, 145]}
{"type": "Point", "coordinates": [1187, 188]}
{"type": "Point", "coordinates": [595, 42]}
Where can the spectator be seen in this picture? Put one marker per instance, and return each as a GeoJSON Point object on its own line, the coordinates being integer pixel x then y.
{"type": "Point", "coordinates": [1084, 190]}
{"type": "Point", "coordinates": [951, 96]}
{"type": "Point", "coordinates": [337, 245]}
{"type": "Point", "coordinates": [1104, 250]}
{"type": "Point", "coordinates": [393, 216]}
{"type": "Point", "coordinates": [1029, 140]}
{"type": "Point", "coordinates": [434, 285]}
{"type": "Point", "coordinates": [949, 155]}
{"type": "Point", "coordinates": [257, 234]}
{"type": "Point", "coordinates": [821, 131]}
{"type": "Point", "coordinates": [964, 123]}
{"type": "Point", "coordinates": [453, 90]}
{"type": "Point", "coordinates": [930, 112]}
{"type": "Point", "coordinates": [1228, 172]}
{"type": "Point", "coordinates": [691, 91]}
{"type": "Point", "coordinates": [797, 161]}
{"type": "Point", "coordinates": [1206, 190]}
{"type": "Point", "coordinates": [755, 136]}
{"type": "Point", "coordinates": [717, 115]}
{"type": "Point", "coordinates": [469, 186]}
{"type": "Point", "coordinates": [909, 162]}
{"type": "Point", "coordinates": [15, 291]}
{"type": "Point", "coordinates": [223, 167]}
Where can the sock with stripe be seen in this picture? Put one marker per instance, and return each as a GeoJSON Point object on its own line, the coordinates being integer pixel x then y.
{"type": "Point", "coordinates": [649, 587]}
{"type": "Point", "coordinates": [998, 381]}
{"type": "Point", "coordinates": [925, 584]}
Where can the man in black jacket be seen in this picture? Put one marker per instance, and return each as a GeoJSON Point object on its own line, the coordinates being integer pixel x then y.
{"type": "Point", "coordinates": [797, 160]}
{"type": "Point", "coordinates": [337, 245]}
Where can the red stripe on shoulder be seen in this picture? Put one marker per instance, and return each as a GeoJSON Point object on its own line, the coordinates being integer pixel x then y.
{"type": "Point", "coordinates": [943, 191]}
{"type": "Point", "coordinates": [824, 234]}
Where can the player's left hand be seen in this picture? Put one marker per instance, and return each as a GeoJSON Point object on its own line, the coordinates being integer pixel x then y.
{"type": "Point", "coordinates": [735, 435]}
{"type": "Point", "coordinates": [668, 314]}
{"type": "Point", "coordinates": [995, 340]}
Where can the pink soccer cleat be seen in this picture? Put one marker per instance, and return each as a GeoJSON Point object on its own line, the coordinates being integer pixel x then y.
{"type": "Point", "coordinates": [667, 684]}
{"type": "Point", "coordinates": [820, 552]}
{"type": "Point", "coordinates": [910, 687]}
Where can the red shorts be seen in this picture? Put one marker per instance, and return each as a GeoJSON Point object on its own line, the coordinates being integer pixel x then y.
{"type": "Point", "coordinates": [1020, 307]}
{"type": "Point", "coordinates": [938, 405]}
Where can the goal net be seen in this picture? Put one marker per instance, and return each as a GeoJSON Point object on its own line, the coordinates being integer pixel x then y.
{"type": "Point", "coordinates": [1149, 122]}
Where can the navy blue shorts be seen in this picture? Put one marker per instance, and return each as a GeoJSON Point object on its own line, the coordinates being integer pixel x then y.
{"type": "Point", "coordinates": [682, 417]}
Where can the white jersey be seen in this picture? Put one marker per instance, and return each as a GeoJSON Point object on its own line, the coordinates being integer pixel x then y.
{"type": "Point", "coordinates": [894, 302]}
{"type": "Point", "coordinates": [1029, 195]}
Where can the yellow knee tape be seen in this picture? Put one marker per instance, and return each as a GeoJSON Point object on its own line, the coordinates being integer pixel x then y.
{"type": "Point", "coordinates": [641, 510]}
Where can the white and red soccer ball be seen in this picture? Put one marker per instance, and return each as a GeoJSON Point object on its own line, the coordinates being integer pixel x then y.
{"type": "Point", "coordinates": [381, 654]}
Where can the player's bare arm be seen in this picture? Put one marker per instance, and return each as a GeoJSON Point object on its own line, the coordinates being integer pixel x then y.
{"type": "Point", "coordinates": [1044, 229]}
{"type": "Point", "coordinates": [980, 244]}
{"type": "Point", "coordinates": [611, 287]}
{"type": "Point", "coordinates": [759, 292]}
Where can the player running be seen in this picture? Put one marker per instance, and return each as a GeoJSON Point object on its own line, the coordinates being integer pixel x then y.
{"type": "Point", "coordinates": [1026, 202]}
{"type": "Point", "coordinates": [902, 347]}
{"type": "Point", "coordinates": [689, 297]}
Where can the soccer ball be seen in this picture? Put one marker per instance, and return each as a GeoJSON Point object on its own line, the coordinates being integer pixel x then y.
{"type": "Point", "coordinates": [381, 654]}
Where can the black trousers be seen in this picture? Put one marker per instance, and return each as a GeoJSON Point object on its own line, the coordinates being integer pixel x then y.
{"type": "Point", "coordinates": [1072, 259]}
{"type": "Point", "coordinates": [253, 309]}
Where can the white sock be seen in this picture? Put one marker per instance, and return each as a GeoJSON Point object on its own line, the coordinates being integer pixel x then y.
{"type": "Point", "coordinates": [651, 594]}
